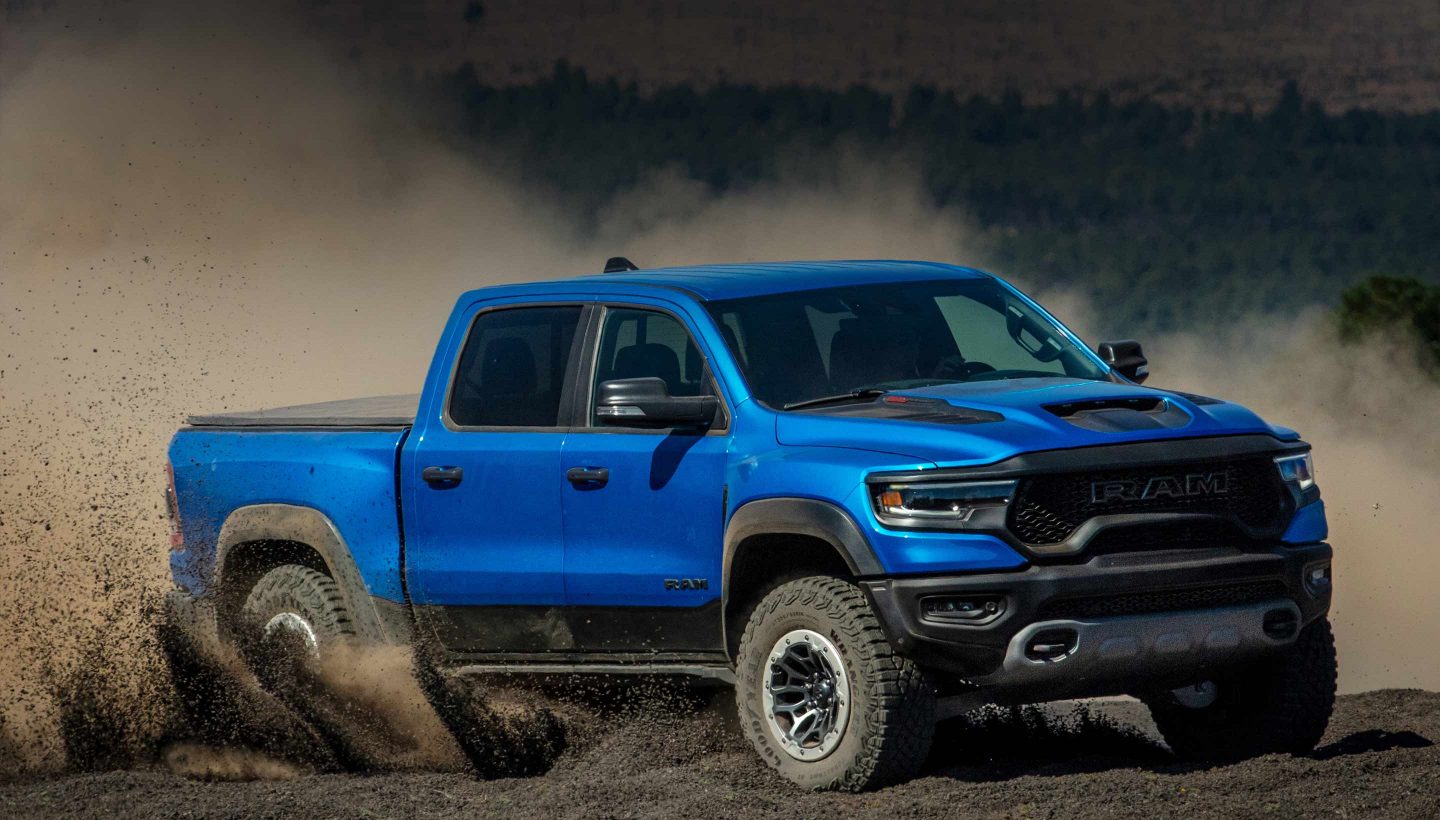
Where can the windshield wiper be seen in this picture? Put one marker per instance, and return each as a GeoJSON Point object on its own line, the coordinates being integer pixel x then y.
{"type": "Point", "coordinates": [853, 395]}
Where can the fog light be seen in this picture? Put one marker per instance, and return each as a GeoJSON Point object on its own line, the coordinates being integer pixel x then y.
{"type": "Point", "coordinates": [1317, 578]}
{"type": "Point", "coordinates": [962, 609]}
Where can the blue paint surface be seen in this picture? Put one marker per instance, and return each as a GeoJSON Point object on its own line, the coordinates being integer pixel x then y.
{"type": "Point", "coordinates": [347, 476]}
{"type": "Point", "coordinates": [1308, 526]}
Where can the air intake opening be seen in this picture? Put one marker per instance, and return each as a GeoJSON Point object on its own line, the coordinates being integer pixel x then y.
{"type": "Point", "coordinates": [1139, 404]}
{"type": "Point", "coordinates": [1121, 415]}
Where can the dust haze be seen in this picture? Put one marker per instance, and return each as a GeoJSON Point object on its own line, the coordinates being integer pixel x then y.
{"type": "Point", "coordinates": [214, 214]}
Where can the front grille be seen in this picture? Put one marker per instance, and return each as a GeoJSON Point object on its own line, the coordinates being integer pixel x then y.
{"type": "Point", "coordinates": [1165, 600]}
{"type": "Point", "coordinates": [1168, 536]}
{"type": "Point", "coordinates": [1049, 508]}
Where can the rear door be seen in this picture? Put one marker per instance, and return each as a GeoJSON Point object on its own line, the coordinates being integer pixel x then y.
{"type": "Point", "coordinates": [484, 544]}
{"type": "Point", "coordinates": [643, 546]}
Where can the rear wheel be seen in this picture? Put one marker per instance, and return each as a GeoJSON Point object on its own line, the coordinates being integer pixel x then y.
{"type": "Point", "coordinates": [293, 614]}
{"type": "Point", "coordinates": [822, 695]}
{"type": "Point", "coordinates": [1281, 704]}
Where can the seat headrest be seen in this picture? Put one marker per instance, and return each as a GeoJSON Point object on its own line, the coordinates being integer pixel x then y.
{"type": "Point", "coordinates": [508, 367]}
{"type": "Point", "coordinates": [638, 361]}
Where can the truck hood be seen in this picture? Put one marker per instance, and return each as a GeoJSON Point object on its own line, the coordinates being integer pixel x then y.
{"type": "Point", "coordinates": [966, 424]}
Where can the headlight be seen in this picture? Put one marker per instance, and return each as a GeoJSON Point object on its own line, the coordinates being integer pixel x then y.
{"type": "Point", "coordinates": [1297, 470]}
{"type": "Point", "coordinates": [938, 504]}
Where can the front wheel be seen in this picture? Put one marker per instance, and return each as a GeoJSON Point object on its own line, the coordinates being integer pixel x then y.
{"type": "Point", "coordinates": [822, 695]}
{"type": "Point", "coordinates": [1281, 704]}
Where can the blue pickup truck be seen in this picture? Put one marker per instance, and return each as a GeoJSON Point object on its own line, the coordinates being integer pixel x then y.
{"type": "Point", "coordinates": [857, 491]}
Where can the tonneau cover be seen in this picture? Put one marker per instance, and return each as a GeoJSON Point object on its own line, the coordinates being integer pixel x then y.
{"type": "Point", "coordinates": [373, 411]}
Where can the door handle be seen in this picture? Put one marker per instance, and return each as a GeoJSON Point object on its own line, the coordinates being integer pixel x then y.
{"type": "Point", "coordinates": [588, 475]}
{"type": "Point", "coordinates": [442, 475]}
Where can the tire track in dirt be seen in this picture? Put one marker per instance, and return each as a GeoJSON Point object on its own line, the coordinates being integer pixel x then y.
{"type": "Point", "coordinates": [1378, 759]}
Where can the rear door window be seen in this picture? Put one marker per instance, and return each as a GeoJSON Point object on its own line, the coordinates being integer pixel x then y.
{"type": "Point", "coordinates": [512, 370]}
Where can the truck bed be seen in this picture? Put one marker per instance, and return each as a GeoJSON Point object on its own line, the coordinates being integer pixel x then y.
{"type": "Point", "coordinates": [369, 412]}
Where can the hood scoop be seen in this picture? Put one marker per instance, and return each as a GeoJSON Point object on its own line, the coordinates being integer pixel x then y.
{"type": "Point", "coordinates": [1123, 415]}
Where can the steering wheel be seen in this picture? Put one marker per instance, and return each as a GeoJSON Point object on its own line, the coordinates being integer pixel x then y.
{"type": "Point", "coordinates": [955, 367]}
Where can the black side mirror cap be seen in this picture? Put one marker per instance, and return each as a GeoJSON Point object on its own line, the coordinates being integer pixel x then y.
{"type": "Point", "coordinates": [646, 402]}
{"type": "Point", "coordinates": [1126, 358]}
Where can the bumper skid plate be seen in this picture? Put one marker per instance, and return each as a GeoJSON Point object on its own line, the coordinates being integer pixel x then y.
{"type": "Point", "coordinates": [1074, 652]}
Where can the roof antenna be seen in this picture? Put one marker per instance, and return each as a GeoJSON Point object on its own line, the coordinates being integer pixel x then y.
{"type": "Point", "coordinates": [619, 264]}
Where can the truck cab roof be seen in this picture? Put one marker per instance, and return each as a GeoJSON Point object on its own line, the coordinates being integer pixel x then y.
{"type": "Point", "coordinates": [720, 282]}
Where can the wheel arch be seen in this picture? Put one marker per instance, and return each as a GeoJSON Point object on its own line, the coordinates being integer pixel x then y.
{"type": "Point", "coordinates": [819, 538]}
{"type": "Point", "coordinates": [257, 538]}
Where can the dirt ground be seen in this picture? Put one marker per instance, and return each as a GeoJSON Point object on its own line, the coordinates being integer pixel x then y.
{"type": "Point", "coordinates": [1377, 759]}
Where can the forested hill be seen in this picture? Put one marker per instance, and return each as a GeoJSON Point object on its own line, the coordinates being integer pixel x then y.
{"type": "Point", "coordinates": [1164, 214]}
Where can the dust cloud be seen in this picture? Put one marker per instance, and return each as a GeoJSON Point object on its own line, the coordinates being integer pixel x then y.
{"type": "Point", "coordinates": [206, 214]}
{"type": "Point", "coordinates": [1370, 414]}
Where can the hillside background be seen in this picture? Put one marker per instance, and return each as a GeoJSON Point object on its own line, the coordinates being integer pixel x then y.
{"type": "Point", "coordinates": [1172, 162]}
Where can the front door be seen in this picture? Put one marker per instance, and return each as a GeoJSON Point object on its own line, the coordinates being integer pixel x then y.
{"type": "Point", "coordinates": [484, 545]}
{"type": "Point", "coordinates": [644, 514]}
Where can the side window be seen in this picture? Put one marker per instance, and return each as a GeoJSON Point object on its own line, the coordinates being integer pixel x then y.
{"type": "Point", "coordinates": [640, 343]}
{"type": "Point", "coordinates": [512, 369]}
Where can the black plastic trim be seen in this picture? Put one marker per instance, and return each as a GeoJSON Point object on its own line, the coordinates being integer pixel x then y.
{"type": "Point", "coordinates": [974, 649]}
{"type": "Point", "coordinates": [1107, 456]}
{"type": "Point", "coordinates": [308, 526]}
{"type": "Point", "coordinates": [802, 516]}
{"type": "Point", "coordinates": [644, 662]}
{"type": "Point", "coordinates": [574, 632]}
{"type": "Point", "coordinates": [797, 516]}
{"type": "Point", "coordinates": [710, 670]}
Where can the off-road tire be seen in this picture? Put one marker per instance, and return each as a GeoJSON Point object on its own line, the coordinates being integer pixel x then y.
{"type": "Point", "coordinates": [300, 591]}
{"type": "Point", "coordinates": [891, 718]}
{"type": "Point", "coordinates": [1279, 705]}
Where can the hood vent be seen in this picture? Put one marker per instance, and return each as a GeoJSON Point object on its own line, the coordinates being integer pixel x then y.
{"type": "Point", "coordinates": [1122, 415]}
{"type": "Point", "coordinates": [912, 408]}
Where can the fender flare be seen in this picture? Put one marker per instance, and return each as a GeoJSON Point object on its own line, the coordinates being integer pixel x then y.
{"type": "Point", "coordinates": [798, 516]}
{"type": "Point", "coordinates": [801, 516]}
{"type": "Point", "coordinates": [820, 519]}
{"type": "Point", "coordinates": [308, 526]}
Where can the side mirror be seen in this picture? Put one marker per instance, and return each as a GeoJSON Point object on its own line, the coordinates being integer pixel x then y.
{"type": "Point", "coordinates": [1126, 358]}
{"type": "Point", "coordinates": [646, 402]}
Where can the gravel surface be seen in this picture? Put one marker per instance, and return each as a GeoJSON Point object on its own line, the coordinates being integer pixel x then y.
{"type": "Point", "coordinates": [1100, 760]}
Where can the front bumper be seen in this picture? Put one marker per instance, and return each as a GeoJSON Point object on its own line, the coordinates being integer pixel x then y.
{"type": "Point", "coordinates": [1170, 613]}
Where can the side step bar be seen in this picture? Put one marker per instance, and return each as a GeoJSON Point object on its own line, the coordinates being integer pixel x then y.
{"type": "Point", "coordinates": [716, 674]}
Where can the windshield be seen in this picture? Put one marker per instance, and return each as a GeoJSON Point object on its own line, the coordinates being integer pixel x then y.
{"type": "Point", "coordinates": [796, 347]}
